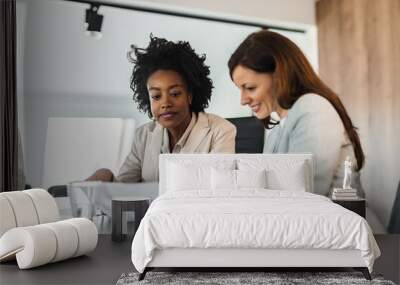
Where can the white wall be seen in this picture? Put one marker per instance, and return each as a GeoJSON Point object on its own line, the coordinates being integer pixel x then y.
{"type": "Point", "coordinates": [67, 74]}
{"type": "Point", "coordinates": [290, 13]}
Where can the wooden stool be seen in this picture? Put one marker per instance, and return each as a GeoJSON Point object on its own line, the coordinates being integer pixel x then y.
{"type": "Point", "coordinates": [139, 205]}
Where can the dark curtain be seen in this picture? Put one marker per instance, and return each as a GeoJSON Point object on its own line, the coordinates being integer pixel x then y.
{"type": "Point", "coordinates": [8, 97]}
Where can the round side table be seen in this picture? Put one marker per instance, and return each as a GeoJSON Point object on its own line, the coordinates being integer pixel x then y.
{"type": "Point", "coordinates": [139, 205]}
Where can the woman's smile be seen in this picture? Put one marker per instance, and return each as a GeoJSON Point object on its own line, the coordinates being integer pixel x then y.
{"type": "Point", "coordinates": [255, 107]}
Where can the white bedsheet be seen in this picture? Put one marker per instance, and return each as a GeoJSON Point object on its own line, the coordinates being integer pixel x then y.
{"type": "Point", "coordinates": [253, 218]}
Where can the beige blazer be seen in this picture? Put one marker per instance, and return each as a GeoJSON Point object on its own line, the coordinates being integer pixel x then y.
{"type": "Point", "coordinates": [210, 134]}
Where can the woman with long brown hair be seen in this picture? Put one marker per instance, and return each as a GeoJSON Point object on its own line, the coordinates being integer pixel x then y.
{"type": "Point", "coordinates": [302, 113]}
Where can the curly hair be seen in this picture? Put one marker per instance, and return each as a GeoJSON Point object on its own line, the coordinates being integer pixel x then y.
{"type": "Point", "coordinates": [180, 57]}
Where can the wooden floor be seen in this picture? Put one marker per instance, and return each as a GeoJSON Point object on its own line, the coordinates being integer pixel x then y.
{"type": "Point", "coordinates": [110, 260]}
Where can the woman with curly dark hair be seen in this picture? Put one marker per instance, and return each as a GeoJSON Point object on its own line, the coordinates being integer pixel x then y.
{"type": "Point", "coordinates": [171, 83]}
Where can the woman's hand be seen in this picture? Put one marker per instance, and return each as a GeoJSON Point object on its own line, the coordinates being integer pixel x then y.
{"type": "Point", "coordinates": [103, 174]}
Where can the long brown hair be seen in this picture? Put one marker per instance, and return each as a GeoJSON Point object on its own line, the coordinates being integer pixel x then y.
{"type": "Point", "coordinates": [269, 52]}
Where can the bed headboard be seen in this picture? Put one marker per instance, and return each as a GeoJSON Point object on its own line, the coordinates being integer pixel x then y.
{"type": "Point", "coordinates": [213, 159]}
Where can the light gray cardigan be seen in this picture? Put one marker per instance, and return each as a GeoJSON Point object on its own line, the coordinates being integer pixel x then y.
{"type": "Point", "coordinates": [313, 126]}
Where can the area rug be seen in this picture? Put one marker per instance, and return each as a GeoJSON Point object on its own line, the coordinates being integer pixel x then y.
{"type": "Point", "coordinates": [244, 278]}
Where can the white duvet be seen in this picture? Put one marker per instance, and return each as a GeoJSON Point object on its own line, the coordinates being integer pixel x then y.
{"type": "Point", "coordinates": [253, 218]}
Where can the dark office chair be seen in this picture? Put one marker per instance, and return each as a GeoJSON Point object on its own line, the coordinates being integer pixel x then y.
{"type": "Point", "coordinates": [394, 223]}
{"type": "Point", "coordinates": [58, 191]}
{"type": "Point", "coordinates": [249, 134]}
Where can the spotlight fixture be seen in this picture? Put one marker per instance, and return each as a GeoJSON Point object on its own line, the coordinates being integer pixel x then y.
{"type": "Point", "coordinates": [93, 21]}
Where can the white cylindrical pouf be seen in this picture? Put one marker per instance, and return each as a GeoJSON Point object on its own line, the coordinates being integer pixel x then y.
{"type": "Point", "coordinates": [40, 244]}
{"type": "Point", "coordinates": [87, 234]}
{"type": "Point", "coordinates": [67, 239]}
{"type": "Point", "coordinates": [7, 218]}
{"type": "Point", "coordinates": [23, 208]}
{"type": "Point", "coordinates": [45, 205]}
{"type": "Point", "coordinates": [33, 246]}
{"type": "Point", "coordinates": [40, 247]}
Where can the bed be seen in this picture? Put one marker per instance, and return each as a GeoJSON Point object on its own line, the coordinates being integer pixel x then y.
{"type": "Point", "coordinates": [245, 211]}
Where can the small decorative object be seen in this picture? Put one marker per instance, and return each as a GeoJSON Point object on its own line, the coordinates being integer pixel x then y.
{"type": "Point", "coordinates": [348, 165]}
{"type": "Point", "coordinates": [346, 192]}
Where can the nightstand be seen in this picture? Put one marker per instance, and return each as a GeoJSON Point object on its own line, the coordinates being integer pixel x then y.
{"type": "Point", "coordinates": [357, 206]}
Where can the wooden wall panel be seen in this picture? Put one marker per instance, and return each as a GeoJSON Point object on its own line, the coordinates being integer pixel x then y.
{"type": "Point", "coordinates": [359, 58]}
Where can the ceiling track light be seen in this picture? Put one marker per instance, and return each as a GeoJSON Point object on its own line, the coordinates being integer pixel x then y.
{"type": "Point", "coordinates": [93, 21]}
{"type": "Point", "coordinates": [141, 8]}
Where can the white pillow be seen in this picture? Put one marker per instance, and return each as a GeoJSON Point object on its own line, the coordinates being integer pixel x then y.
{"type": "Point", "coordinates": [251, 178]}
{"type": "Point", "coordinates": [185, 175]}
{"type": "Point", "coordinates": [293, 179]}
{"type": "Point", "coordinates": [282, 174]}
{"type": "Point", "coordinates": [223, 179]}
{"type": "Point", "coordinates": [236, 179]}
